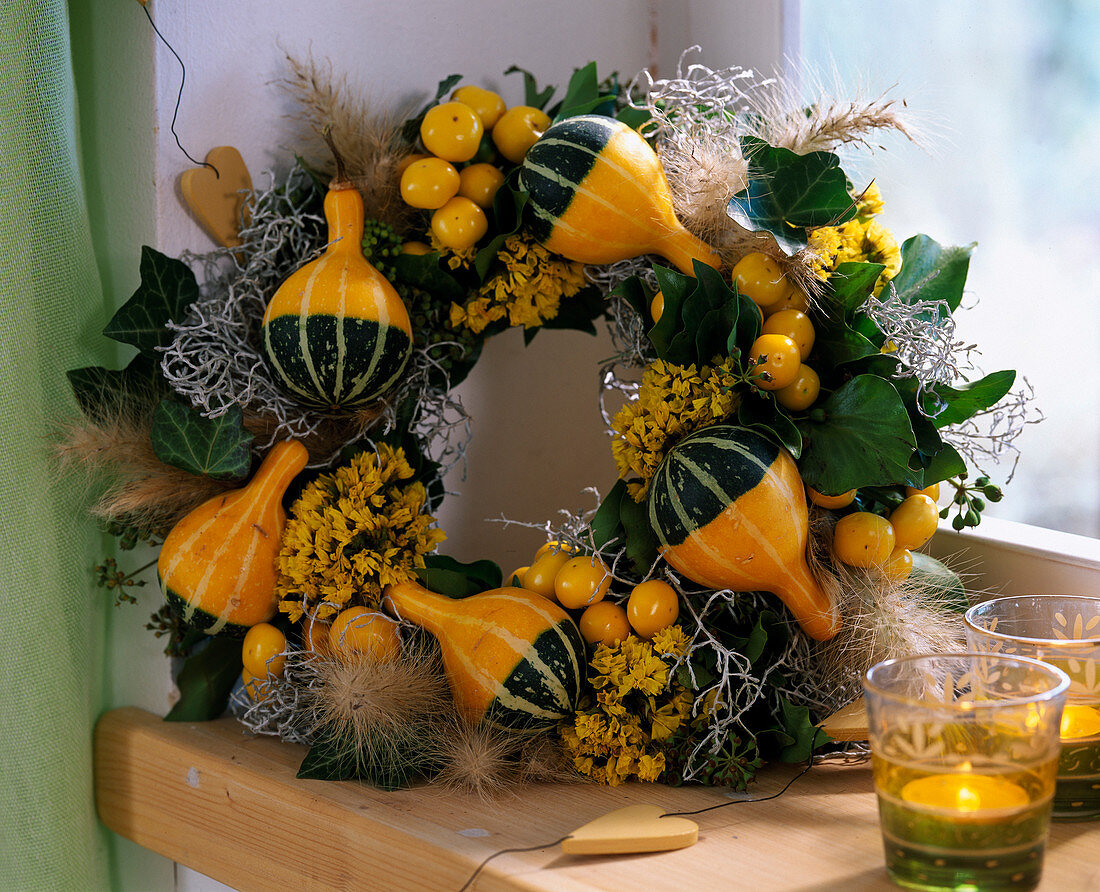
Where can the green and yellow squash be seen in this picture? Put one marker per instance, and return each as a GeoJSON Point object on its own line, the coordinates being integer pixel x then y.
{"type": "Point", "coordinates": [217, 567]}
{"type": "Point", "coordinates": [336, 332]}
{"type": "Point", "coordinates": [729, 509]}
{"type": "Point", "coordinates": [598, 194]}
{"type": "Point", "coordinates": [512, 658]}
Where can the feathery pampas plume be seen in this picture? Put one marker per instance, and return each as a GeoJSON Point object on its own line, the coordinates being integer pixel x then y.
{"type": "Point", "coordinates": [368, 139]}
{"type": "Point", "coordinates": [141, 490]}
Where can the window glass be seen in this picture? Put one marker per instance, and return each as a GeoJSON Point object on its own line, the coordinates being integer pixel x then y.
{"type": "Point", "coordinates": [1008, 97]}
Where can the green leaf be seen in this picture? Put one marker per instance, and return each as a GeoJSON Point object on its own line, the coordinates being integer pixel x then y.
{"type": "Point", "coordinates": [675, 287]}
{"type": "Point", "coordinates": [939, 584]}
{"type": "Point", "coordinates": [641, 541]}
{"type": "Point", "coordinates": [101, 392]}
{"type": "Point", "coordinates": [447, 576]}
{"type": "Point", "coordinates": [837, 343]}
{"type": "Point", "coordinates": [423, 271]}
{"type": "Point", "coordinates": [865, 439]}
{"type": "Point", "coordinates": [852, 283]}
{"type": "Point", "coordinates": [508, 205]}
{"type": "Point", "coordinates": [219, 448]}
{"type": "Point", "coordinates": [788, 193]}
{"type": "Point", "coordinates": [576, 313]}
{"type": "Point", "coordinates": [636, 293]}
{"type": "Point", "coordinates": [206, 680]}
{"type": "Point", "coordinates": [167, 289]}
{"type": "Point", "coordinates": [582, 95]}
{"type": "Point", "coordinates": [944, 464]}
{"type": "Point", "coordinates": [531, 94]}
{"type": "Point", "coordinates": [952, 405]}
{"type": "Point", "coordinates": [410, 131]}
{"type": "Point", "coordinates": [606, 525]}
{"type": "Point", "coordinates": [633, 117]}
{"type": "Point", "coordinates": [930, 272]}
{"type": "Point", "coordinates": [766, 418]}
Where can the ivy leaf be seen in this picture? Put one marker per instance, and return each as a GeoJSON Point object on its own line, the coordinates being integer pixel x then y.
{"type": "Point", "coordinates": [641, 542]}
{"type": "Point", "coordinates": [804, 736]}
{"type": "Point", "coordinates": [334, 756]}
{"type": "Point", "coordinates": [99, 392]}
{"type": "Point", "coordinates": [167, 289]}
{"type": "Point", "coordinates": [852, 283]}
{"type": "Point", "coordinates": [866, 439]}
{"type": "Point", "coordinates": [675, 287]}
{"type": "Point", "coordinates": [508, 205]}
{"type": "Point", "coordinates": [576, 313]}
{"type": "Point", "coordinates": [944, 464]}
{"type": "Point", "coordinates": [423, 271]}
{"type": "Point", "coordinates": [837, 343]}
{"type": "Point", "coordinates": [952, 405]}
{"type": "Point", "coordinates": [636, 293]}
{"type": "Point", "coordinates": [447, 576]}
{"type": "Point", "coordinates": [410, 131]}
{"type": "Point", "coordinates": [206, 680]}
{"type": "Point", "coordinates": [788, 193]}
{"type": "Point", "coordinates": [931, 272]}
{"type": "Point", "coordinates": [531, 94]}
{"type": "Point", "coordinates": [633, 117]}
{"type": "Point", "coordinates": [219, 448]}
{"type": "Point", "coordinates": [938, 583]}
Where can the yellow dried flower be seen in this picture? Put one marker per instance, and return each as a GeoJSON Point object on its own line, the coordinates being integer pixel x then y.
{"type": "Point", "coordinates": [528, 291]}
{"type": "Point", "coordinates": [673, 401]}
{"type": "Point", "coordinates": [353, 532]}
{"type": "Point", "coordinates": [857, 241]}
{"type": "Point", "coordinates": [462, 259]}
{"type": "Point", "coordinates": [870, 203]}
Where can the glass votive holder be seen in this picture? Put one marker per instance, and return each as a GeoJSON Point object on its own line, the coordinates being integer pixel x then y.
{"type": "Point", "coordinates": [1064, 631]}
{"type": "Point", "coordinates": [964, 749]}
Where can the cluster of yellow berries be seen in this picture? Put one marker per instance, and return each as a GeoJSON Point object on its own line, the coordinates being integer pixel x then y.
{"type": "Point", "coordinates": [452, 180]}
{"type": "Point", "coordinates": [356, 630]}
{"type": "Point", "coordinates": [777, 359]}
{"type": "Point", "coordinates": [863, 539]}
{"type": "Point", "coordinates": [581, 582]}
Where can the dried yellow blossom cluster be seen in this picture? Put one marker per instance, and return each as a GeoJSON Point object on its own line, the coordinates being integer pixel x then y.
{"type": "Point", "coordinates": [636, 708]}
{"type": "Point", "coordinates": [673, 401]}
{"type": "Point", "coordinates": [353, 532]}
{"type": "Point", "coordinates": [861, 239]}
{"type": "Point", "coordinates": [528, 292]}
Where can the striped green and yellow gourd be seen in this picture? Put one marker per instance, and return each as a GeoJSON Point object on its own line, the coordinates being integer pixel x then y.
{"type": "Point", "coordinates": [512, 658]}
{"type": "Point", "coordinates": [336, 332]}
{"type": "Point", "coordinates": [217, 567]}
{"type": "Point", "coordinates": [598, 194]}
{"type": "Point", "coordinates": [729, 509]}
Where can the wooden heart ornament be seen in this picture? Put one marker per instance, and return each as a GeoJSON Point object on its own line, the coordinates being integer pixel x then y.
{"type": "Point", "coordinates": [634, 829]}
{"type": "Point", "coordinates": [215, 198]}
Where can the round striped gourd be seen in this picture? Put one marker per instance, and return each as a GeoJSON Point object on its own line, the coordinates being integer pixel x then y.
{"type": "Point", "coordinates": [598, 194]}
{"type": "Point", "coordinates": [512, 658]}
{"type": "Point", "coordinates": [729, 509]}
{"type": "Point", "coordinates": [217, 565]}
{"type": "Point", "coordinates": [336, 332]}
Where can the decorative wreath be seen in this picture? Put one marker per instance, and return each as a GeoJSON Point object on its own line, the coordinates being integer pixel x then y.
{"type": "Point", "coordinates": [793, 402]}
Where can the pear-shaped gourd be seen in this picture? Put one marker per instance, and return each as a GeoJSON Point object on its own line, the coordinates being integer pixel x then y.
{"type": "Point", "coordinates": [217, 566]}
{"type": "Point", "coordinates": [336, 332]}
{"type": "Point", "coordinates": [512, 658]}
{"type": "Point", "coordinates": [598, 194]}
{"type": "Point", "coordinates": [729, 508]}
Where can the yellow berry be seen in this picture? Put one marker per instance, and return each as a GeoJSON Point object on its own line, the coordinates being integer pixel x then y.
{"type": "Point", "coordinates": [581, 582]}
{"type": "Point", "coordinates": [802, 392]}
{"type": "Point", "coordinates": [759, 278]}
{"type": "Point", "coordinates": [262, 650]}
{"type": "Point", "coordinates": [488, 106]}
{"type": "Point", "coordinates": [863, 539]}
{"type": "Point", "coordinates": [539, 577]}
{"type": "Point", "coordinates": [774, 361]}
{"type": "Point", "coordinates": [794, 299]}
{"type": "Point", "coordinates": [657, 307]}
{"type": "Point", "coordinates": [915, 520]}
{"type": "Point", "coordinates": [899, 565]}
{"type": "Point", "coordinates": [823, 501]}
{"type": "Point", "coordinates": [652, 606]}
{"type": "Point", "coordinates": [416, 248]}
{"type": "Point", "coordinates": [459, 224]}
{"type": "Point", "coordinates": [604, 622]}
{"type": "Point", "coordinates": [796, 325]}
{"type": "Point", "coordinates": [518, 129]}
{"type": "Point", "coordinates": [479, 183]}
{"type": "Point", "coordinates": [932, 491]}
{"type": "Point", "coordinates": [452, 131]}
{"type": "Point", "coordinates": [429, 183]}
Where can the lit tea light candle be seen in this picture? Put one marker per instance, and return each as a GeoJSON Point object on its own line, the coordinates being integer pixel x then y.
{"type": "Point", "coordinates": [965, 792]}
{"type": "Point", "coordinates": [1079, 721]}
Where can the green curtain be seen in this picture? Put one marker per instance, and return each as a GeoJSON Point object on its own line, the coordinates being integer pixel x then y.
{"type": "Point", "coordinates": [51, 618]}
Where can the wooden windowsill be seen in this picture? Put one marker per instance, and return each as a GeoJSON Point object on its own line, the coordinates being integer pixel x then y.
{"type": "Point", "coordinates": [228, 805]}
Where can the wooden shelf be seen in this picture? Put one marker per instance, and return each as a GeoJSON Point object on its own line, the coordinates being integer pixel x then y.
{"type": "Point", "coordinates": [228, 805]}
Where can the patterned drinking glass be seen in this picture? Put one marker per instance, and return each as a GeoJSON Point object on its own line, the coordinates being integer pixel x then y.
{"type": "Point", "coordinates": [964, 750]}
{"type": "Point", "coordinates": [1063, 630]}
